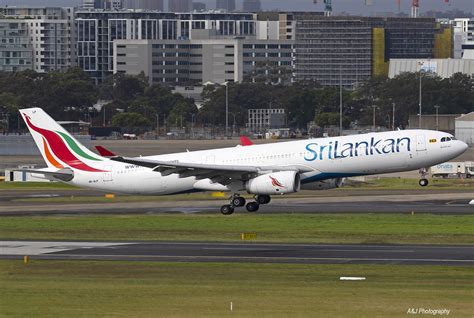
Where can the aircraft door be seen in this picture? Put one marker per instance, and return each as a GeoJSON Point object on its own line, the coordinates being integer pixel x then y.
{"type": "Point", "coordinates": [210, 159]}
{"type": "Point", "coordinates": [107, 175]}
{"type": "Point", "coordinates": [420, 143]}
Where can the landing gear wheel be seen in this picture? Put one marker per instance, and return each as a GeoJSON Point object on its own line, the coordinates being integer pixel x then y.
{"type": "Point", "coordinates": [263, 199]}
{"type": "Point", "coordinates": [423, 182]}
{"type": "Point", "coordinates": [238, 201]}
{"type": "Point", "coordinates": [252, 206]}
{"type": "Point", "coordinates": [227, 209]}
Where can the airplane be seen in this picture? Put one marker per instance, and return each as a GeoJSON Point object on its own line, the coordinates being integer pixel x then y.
{"type": "Point", "coordinates": [261, 170]}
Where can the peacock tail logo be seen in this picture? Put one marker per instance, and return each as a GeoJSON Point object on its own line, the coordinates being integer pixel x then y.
{"type": "Point", "coordinates": [276, 183]}
{"type": "Point", "coordinates": [58, 143]}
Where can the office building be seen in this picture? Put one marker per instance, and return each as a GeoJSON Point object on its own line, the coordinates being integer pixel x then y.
{"type": "Point", "coordinates": [227, 5]}
{"type": "Point", "coordinates": [144, 4]}
{"type": "Point", "coordinates": [180, 5]}
{"type": "Point", "coordinates": [200, 61]}
{"type": "Point", "coordinates": [51, 36]}
{"type": "Point", "coordinates": [251, 6]}
{"type": "Point", "coordinates": [443, 68]}
{"type": "Point", "coordinates": [97, 30]}
{"type": "Point", "coordinates": [348, 50]}
{"type": "Point", "coordinates": [463, 38]}
{"type": "Point", "coordinates": [16, 49]}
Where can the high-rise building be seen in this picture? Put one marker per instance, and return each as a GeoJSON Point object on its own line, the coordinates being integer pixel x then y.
{"type": "Point", "coordinates": [199, 61]}
{"type": "Point", "coordinates": [97, 30]}
{"type": "Point", "coordinates": [51, 36]}
{"type": "Point", "coordinates": [180, 5]}
{"type": "Point", "coordinates": [252, 6]}
{"type": "Point", "coordinates": [144, 4]}
{"type": "Point", "coordinates": [228, 5]}
{"type": "Point", "coordinates": [349, 50]}
{"type": "Point", "coordinates": [199, 6]}
{"type": "Point", "coordinates": [88, 4]}
{"type": "Point", "coordinates": [16, 50]}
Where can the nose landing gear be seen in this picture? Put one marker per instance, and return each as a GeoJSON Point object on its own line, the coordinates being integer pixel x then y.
{"type": "Point", "coordinates": [423, 181]}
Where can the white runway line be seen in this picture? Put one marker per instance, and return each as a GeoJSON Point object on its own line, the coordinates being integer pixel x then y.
{"type": "Point", "coordinates": [38, 248]}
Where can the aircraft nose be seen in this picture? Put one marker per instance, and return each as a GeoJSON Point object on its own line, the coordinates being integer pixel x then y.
{"type": "Point", "coordinates": [463, 146]}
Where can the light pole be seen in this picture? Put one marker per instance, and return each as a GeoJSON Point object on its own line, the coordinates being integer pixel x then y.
{"type": "Point", "coordinates": [340, 101]}
{"type": "Point", "coordinates": [158, 124]}
{"type": "Point", "coordinates": [437, 119]}
{"type": "Point", "coordinates": [103, 124]}
{"type": "Point", "coordinates": [226, 108]}
{"type": "Point", "coordinates": [419, 104]}
{"type": "Point", "coordinates": [233, 124]}
{"type": "Point", "coordinates": [393, 116]}
{"type": "Point", "coordinates": [373, 117]}
{"type": "Point", "coordinates": [192, 125]}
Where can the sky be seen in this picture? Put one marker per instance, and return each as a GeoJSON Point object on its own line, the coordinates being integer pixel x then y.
{"type": "Point", "coordinates": [355, 7]}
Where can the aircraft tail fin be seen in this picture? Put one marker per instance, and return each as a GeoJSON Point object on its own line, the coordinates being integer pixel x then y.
{"type": "Point", "coordinates": [58, 148]}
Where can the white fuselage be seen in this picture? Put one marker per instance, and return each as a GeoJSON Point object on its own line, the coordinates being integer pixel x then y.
{"type": "Point", "coordinates": [322, 158]}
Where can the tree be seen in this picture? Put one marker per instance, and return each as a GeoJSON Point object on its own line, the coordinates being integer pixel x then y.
{"type": "Point", "coordinates": [132, 121]}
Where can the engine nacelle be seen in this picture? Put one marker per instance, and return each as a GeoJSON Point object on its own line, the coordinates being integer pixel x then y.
{"type": "Point", "coordinates": [274, 183]}
{"type": "Point", "coordinates": [324, 185]}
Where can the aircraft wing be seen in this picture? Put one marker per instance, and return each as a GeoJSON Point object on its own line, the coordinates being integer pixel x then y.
{"type": "Point", "coordinates": [223, 174]}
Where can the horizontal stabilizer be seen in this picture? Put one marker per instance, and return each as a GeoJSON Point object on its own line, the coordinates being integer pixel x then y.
{"type": "Point", "coordinates": [104, 152]}
{"type": "Point", "coordinates": [65, 174]}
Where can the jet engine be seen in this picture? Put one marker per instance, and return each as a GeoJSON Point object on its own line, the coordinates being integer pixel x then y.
{"type": "Point", "coordinates": [274, 183]}
{"type": "Point", "coordinates": [324, 185]}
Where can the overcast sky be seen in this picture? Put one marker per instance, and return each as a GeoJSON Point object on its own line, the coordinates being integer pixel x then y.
{"type": "Point", "coordinates": [355, 7]}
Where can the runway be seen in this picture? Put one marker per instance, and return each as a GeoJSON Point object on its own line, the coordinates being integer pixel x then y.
{"type": "Point", "coordinates": [243, 252]}
{"type": "Point", "coordinates": [452, 203]}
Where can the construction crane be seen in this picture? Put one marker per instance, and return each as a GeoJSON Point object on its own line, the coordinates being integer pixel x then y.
{"type": "Point", "coordinates": [415, 6]}
{"type": "Point", "coordinates": [327, 7]}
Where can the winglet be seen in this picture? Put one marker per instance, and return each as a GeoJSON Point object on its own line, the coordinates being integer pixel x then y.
{"type": "Point", "coordinates": [104, 151]}
{"type": "Point", "coordinates": [244, 141]}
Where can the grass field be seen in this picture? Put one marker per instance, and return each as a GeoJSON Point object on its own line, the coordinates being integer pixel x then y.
{"type": "Point", "coordinates": [142, 289]}
{"type": "Point", "coordinates": [307, 228]}
{"type": "Point", "coordinates": [375, 183]}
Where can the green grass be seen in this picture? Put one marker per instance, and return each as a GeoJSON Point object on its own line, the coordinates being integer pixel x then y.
{"type": "Point", "coordinates": [376, 183]}
{"type": "Point", "coordinates": [411, 184]}
{"type": "Point", "coordinates": [27, 186]}
{"type": "Point", "coordinates": [144, 289]}
{"type": "Point", "coordinates": [305, 228]}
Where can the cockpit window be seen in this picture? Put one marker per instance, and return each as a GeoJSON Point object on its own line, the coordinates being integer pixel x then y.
{"type": "Point", "coordinates": [444, 139]}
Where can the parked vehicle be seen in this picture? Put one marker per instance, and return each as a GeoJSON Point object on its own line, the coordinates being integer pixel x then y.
{"type": "Point", "coordinates": [453, 169]}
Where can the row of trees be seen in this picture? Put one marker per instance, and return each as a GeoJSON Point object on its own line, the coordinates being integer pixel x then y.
{"type": "Point", "coordinates": [307, 101]}
{"type": "Point", "coordinates": [132, 102]}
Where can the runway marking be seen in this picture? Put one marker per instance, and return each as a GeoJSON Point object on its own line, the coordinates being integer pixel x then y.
{"type": "Point", "coordinates": [43, 247]}
{"type": "Point", "coordinates": [369, 250]}
{"type": "Point", "coordinates": [265, 258]}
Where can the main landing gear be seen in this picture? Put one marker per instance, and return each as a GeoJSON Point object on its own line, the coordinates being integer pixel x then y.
{"type": "Point", "coordinates": [237, 201]}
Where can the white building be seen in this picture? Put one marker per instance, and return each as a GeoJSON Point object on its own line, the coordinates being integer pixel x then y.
{"type": "Point", "coordinates": [51, 35]}
{"type": "Point", "coordinates": [465, 128]}
{"type": "Point", "coordinates": [463, 38]}
{"type": "Point", "coordinates": [444, 68]}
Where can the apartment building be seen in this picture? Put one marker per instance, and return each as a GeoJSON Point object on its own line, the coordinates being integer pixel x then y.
{"type": "Point", "coordinates": [51, 36]}
{"type": "Point", "coordinates": [16, 50]}
{"type": "Point", "coordinates": [97, 30]}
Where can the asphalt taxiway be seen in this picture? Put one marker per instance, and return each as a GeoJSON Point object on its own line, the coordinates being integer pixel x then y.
{"type": "Point", "coordinates": [242, 252]}
{"type": "Point", "coordinates": [397, 201]}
